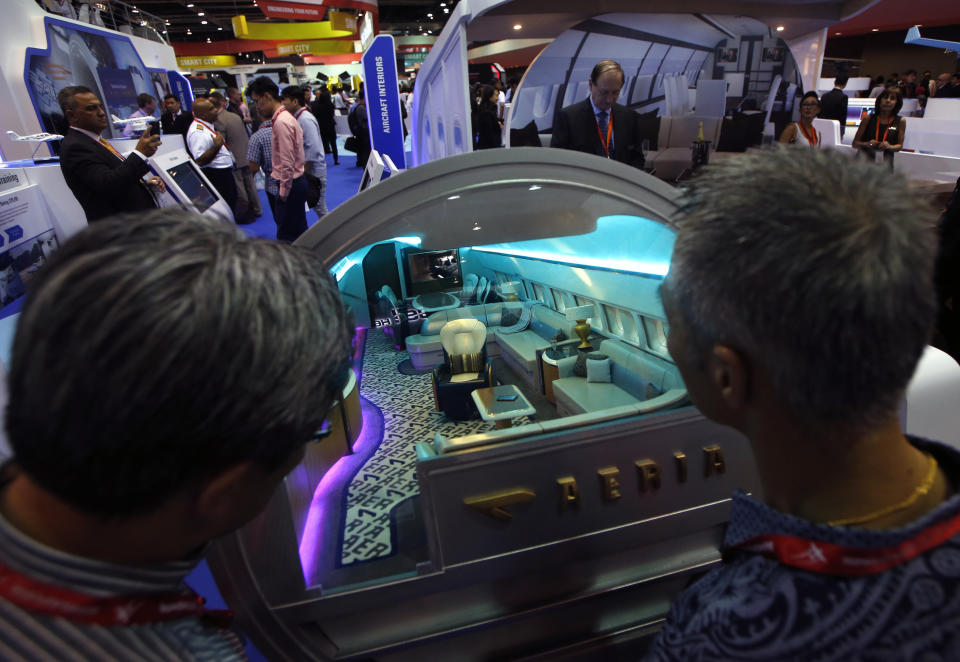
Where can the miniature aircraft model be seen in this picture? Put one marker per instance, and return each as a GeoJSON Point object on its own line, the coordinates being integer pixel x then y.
{"type": "Point", "coordinates": [138, 123]}
{"type": "Point", "coordinates": [913, 37]}
{"type": "Point", "coordinates": [39, 138]}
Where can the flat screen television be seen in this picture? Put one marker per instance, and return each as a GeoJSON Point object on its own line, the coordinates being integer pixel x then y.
{"type": "Point", "coordinates": [193, 186]}
{"type": "Point", "coordinates": [432, 271]}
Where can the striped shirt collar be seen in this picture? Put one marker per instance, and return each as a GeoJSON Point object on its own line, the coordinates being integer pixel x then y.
{"type": "Point", "coordinates": [34, 559]}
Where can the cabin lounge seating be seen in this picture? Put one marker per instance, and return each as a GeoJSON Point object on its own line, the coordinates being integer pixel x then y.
{"type": "Point", "coordinates": [465, 368]}
{"type": "Point", "coordinates": [635, 377]}
{"type": "Point", "coordinates": [518, 349]}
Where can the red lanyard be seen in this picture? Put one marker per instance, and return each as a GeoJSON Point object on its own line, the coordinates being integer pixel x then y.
{"type": "Point", "coordinates": [605, 143]}
{"type": "Point", "coordinates": [39, 597]}
{"type": "Point", "coordinates": [299, 113]}
{"type": "Point", "coordinates": [830, 559]}
{"type": "Point", "coordinates": [214, 131]}
{"type": "Point", "coordinates": [812, 139]}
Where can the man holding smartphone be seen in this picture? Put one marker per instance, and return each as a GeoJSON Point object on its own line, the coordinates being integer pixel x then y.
{"type": "Point", "coordinates": [104, 181]}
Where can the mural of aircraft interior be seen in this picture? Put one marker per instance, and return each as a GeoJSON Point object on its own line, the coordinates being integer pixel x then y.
{"type": "Point", "coordinates": [913, 37]}
{"type": "Point", "coordinates": [39, 138]}
{"type": "Point", "coordinates": [138, 123]}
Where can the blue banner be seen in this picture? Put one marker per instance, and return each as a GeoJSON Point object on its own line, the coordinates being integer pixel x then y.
{"type": "Point", "coordinates": [180, 86]}
{"type": "Point", "coordinates": [383, 99]}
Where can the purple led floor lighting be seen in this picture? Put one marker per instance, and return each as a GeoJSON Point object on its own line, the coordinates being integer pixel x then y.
{"type": "Point", "coordinates": [340, 474]}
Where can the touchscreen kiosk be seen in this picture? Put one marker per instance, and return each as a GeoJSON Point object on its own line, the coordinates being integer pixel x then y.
{"type": "Point", "coordinates": [187, 185]}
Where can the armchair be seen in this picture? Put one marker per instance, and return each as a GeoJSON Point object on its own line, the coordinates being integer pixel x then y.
{"type": "Point", "coordinates": [465, 368]}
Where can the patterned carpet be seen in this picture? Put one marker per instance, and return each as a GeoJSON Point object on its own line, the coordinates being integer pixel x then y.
{"type": "Point", "coordinates": [389, 476]}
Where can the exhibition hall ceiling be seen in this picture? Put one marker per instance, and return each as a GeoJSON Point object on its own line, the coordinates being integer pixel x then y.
{"type": "Point", "coordinates": [211, 19]}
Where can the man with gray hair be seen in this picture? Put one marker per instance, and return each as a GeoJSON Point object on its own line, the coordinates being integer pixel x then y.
{"type": "Point", "coordinates": [166, 374]}
{"type": "Point", "coordinates": [800, 298]}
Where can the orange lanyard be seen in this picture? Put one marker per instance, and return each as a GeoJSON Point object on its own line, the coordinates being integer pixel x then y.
{"type": "Point", "coordinates": [605, 143]}
{"type": "Point", "coordinates": [212, 130]}
{"type": "Point", "coordinates": [885, 132]}
{"type": "Point", "coordinates": [105, 143]}
{"type": "Point", "coordinates": [812, 139]}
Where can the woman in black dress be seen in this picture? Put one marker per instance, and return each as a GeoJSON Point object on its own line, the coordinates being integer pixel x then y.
{"type": "Point", "coordinates": [323, 109]}
{"type": "Point", "coordinates": [487, 125]}
{"type": "Point", "coordinates": [882, 135]}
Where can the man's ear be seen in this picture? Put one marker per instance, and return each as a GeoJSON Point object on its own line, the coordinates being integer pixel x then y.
{"type": "Point", "coordinates": [728, 373]}
{"type": "Point", "coordinates": [221, 498]}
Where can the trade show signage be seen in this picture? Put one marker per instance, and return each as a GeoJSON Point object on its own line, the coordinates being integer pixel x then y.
{"type": "Point", "coordinates": [383, 98]}
{"type": "Point", "coordinates": [315, 47]}
{"type": "Point", "coordinates": [180, 86]}
{"type": "Point", "coordinates": [206, 61]}
{"type": "Point", "coordinates": [294, 10]}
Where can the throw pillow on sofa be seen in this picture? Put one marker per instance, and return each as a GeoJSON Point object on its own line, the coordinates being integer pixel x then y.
{"type": "Point", "coordinates": [509, 317]}
{"type": "Point", "coordinates": [598, 370]}
{"type": "Point", "coordinates": [580, 366]}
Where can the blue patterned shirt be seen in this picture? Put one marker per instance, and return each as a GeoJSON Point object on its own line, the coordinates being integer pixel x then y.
{"type": "Point", "coordinates": [258, 151]}
{"type": "Point", "coordinates": [754, 608]}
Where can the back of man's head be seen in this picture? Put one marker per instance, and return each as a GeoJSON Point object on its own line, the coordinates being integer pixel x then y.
{"type": "Point", "coordinates": [263, 85]}
{"type": "Point", "coordinates": [818, 268]}
{"type": "Point", "coordinates": [841, 80]}
{"type": "Point", "coordinates": [294, 92]}
{"type": "Point", "coordinates": [157, 351]}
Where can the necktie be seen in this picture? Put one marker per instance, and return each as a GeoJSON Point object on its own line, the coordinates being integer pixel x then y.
{"type": "Point", "coordinates": [602, 119]}
{"type": "Point", "coordinates": [105, 143]}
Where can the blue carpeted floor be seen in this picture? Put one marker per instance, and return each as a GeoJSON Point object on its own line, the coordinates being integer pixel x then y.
{"type": "Point", "coordinates": [342, 182]}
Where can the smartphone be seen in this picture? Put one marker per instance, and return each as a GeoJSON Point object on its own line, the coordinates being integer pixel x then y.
{"type": "Point", "coordinates": [506, 398]}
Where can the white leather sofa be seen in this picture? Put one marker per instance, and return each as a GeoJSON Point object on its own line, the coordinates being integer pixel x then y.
{"type": "Point", "coordinates": [636, 377]}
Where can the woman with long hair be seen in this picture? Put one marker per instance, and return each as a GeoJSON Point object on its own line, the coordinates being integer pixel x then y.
{"type": "Point", "coordinates": [487, 125]}
{"type": "Point", "coordinates": [882, 135]}
{"type": "Point", "coordinates": [324, 110]}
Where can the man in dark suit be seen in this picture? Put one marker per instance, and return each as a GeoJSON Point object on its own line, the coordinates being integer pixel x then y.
{"type": "Point", "coordinates": [598, 125]}
{"type": "Point", "coordinates": [103, 181]}
{"type": "Point", "coordinates": [174, 120]}
{"type": "Point", "coordinates": [833, 104]}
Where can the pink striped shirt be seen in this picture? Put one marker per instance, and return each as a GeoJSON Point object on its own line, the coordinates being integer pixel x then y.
{"type": "Point", "coordinates": [286, 150]}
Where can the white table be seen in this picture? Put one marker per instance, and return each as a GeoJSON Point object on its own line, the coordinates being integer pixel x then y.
{"type": "Point", "coordinates": [501, 411]}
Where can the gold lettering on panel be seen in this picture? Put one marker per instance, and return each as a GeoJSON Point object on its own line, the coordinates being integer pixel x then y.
{"type": "Point", "coordinates": [681, 460]}
{"type": "Point", "coordinates": [648, 473]}
{"type": "Point", "coordinates": [493, 504]}
{"type": "Point", "coordinates": [569, 492]}
{"type": "Point", "coordinates": [713, 458]}
{"type": "Point", "coordinates": [609, 485]}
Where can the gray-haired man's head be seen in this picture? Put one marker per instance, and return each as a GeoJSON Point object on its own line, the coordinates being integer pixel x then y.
{"type": "Point", "coordinates": [155, 351]}
{"type": "Point", "coordinates": [817, 269]}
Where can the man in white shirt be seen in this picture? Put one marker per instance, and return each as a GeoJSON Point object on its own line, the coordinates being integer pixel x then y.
{"type": "Point", "coordinates": [206, 146]}
{"type": "Point", "coordinates": [293, 99]}
{"type": "Point", "coordinates": [148, 106]}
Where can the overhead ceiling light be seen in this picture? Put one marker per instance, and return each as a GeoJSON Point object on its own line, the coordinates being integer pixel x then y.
{"type": "Point", "coordinates": [838, 33]}
{"type": "Point", "coordinates": [780, 28]}
{"type": "Point", "coordinates": [443, 4]}
{"type": "Point", "coordinates": [203, 22]}
{"type": "Point", "coordinates": [517, 27]}
{"type": "Point", "coordinates": [135, 11]}
{"type": "Point", "coordinates": [446, 10]}
{"type": "Point", "coordinates": [199, 13]}
{"type": "Point", "coordinates": [220, 29]}
{"type": "Point", "coordinates": [190, 5]}
{"type": "Point", "coordinates": [875, 30]}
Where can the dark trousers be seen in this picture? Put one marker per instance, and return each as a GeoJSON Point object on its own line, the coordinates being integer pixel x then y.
{"type": "Point", "coordinates": [329, 137]}
{"type": "Point", "coordinates": [222, 180]}
{"type": "Point", "coordinates": [291, 215]}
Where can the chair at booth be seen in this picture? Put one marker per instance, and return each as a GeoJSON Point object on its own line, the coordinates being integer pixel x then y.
{"type": "Point", "coordinates": [465, 368]}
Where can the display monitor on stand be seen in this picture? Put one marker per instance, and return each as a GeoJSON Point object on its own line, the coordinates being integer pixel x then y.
{"type": "Point", "coordinates": [372, 172]}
